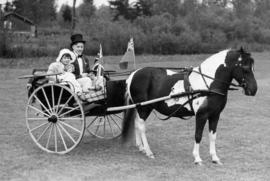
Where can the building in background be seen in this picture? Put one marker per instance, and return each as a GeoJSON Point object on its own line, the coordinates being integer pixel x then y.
{"type": "Point", "coordinates": [19, 24]}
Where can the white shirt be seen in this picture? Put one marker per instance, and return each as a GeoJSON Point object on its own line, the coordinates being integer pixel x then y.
{"type": "Point", "coordinates": [85, 83]}
{"type": "Point", "coordinates": [80, 61]}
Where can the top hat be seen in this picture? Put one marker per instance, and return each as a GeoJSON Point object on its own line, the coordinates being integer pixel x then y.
{"type": "Point", "coordinates": [76, 38]}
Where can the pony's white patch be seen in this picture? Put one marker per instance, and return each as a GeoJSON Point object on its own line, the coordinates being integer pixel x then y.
{"type": "Point", "coordinates": [208, 67]}
{"type": "Point", "coordinates": [197, 103]}
{"type": "Point", "coordinates": [196, 153]}
{"type": "Point", "coordinates": [178, 88]}
{"type": "Point", "coordinates": [170, 72]}
{"type": "Point", "coordinates": [212, 146]}
{"type": "Point", "coordinates": [212, 141]}
{"type": "Point", "coordinates": [128, 83]}
{"type": "Point", "coordinates": [141, 133]}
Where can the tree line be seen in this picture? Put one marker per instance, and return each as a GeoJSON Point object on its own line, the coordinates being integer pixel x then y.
{"type": "Point", "coordinates": [157, 26]}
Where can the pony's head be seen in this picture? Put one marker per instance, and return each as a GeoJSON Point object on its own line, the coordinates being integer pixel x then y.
{"type": "Point", "coordinates": [242, 71]}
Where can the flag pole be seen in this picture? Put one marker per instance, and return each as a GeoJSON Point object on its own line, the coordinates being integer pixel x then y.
{"type": "Point", "coordinates": [134, 59]}
{"type": "Point", "coordinates": [134, 62]}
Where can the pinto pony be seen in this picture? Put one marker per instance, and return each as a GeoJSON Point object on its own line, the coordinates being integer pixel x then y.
{"type": "Point", "coordinates": [215, 75]}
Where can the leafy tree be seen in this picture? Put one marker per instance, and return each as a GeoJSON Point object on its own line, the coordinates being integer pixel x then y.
{"type": "Point", "coordinates": [243, 8]}
{"type": "Point", "coordinates": [66, 13]}
{"type": "Point", "coordinates": [131, 11]}
{"type": "Point", "coordinates": [120, 8]}
{"type": "Point", "coordinates": [144, 7]}
{"type": "Point", "coordinates": [222, 3]}
{"type": "Point", "coordinates": [8, 7]}
{"type": "Point", "coordinates": [262, 9]}
{"type": "Point", "coordinates": [36, 10]}
{"type": "Point", "coordinates": [187, 7]}
{"type": "Point", "coordinates": [168, 6]}
{"type": "Point", "coordinates": [104, 13]}
{"type": "Point", "coordinates": [87, 9]}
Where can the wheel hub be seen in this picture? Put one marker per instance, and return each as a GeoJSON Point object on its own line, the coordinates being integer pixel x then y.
{"type": "Point", "coordinates": [53, 119]}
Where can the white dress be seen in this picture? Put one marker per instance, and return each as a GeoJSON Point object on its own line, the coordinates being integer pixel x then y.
{"type": "Point", "coordinates": [57, 67]}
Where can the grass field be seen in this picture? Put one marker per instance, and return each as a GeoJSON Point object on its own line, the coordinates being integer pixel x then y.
{"type": "Point", "coordinates": [243, 140]}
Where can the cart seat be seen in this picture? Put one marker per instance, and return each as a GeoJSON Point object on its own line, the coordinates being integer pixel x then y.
{"type": "Point", "coordinates": [95, 96]}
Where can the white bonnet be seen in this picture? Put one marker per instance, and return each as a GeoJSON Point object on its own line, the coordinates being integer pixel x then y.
{"type": "Point", "coordinates": [66, 51]}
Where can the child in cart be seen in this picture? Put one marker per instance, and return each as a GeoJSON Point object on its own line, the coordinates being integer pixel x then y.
{"type": "Point", "coordinates": [65, 68]}
{"type": "Point", "coordinates": [95, 88]}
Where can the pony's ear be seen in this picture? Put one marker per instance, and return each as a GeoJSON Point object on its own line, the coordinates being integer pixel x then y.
{"type": "Point", "coordinates": [241, 50]}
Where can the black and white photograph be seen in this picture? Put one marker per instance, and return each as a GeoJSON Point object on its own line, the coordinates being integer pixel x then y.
{"type": "Point", "coordinates": [135, 90]}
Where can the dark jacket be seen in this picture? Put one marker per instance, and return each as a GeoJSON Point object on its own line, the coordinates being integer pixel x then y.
{"type": "Point", "coordinates": [86, 67]}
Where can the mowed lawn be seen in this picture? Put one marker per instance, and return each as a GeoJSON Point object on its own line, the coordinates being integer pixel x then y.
{"type": "Point", "coordinates": [243, 140]}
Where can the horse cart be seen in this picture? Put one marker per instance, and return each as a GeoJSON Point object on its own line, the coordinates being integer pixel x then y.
{"type": "Point", "coordinates": [57, 119]}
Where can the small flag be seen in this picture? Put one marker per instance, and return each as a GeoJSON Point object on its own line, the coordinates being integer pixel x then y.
{"type": "Point", "coordinates": [130, 45]}
{"type": "Point", "coordinates": [129, 56]}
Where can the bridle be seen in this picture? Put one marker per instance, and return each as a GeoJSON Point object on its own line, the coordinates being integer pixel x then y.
{"type": "Point", "coordinates": [244, 68]}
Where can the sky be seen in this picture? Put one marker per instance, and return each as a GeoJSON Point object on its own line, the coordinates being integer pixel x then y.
{"type": "Point", "coordinates": [59, 3]}
{"type": "Point", "coordinates": [97, 3]}
{"type": "Point", "coordinates": [78, 2]}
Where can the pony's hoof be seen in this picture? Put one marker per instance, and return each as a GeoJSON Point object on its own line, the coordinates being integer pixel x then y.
{"type": "Point", "coordinates": [198, 163]}
{"type": "Point", "coordinates": [218, 162]}
{"type": "Point", "coordinates": [142, 150]}
{"type": "Point", "coordinates": [151, 156]}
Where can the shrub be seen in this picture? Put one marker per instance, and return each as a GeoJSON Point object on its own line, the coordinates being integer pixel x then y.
{"type": "Point", "coordinates": [189, 43]}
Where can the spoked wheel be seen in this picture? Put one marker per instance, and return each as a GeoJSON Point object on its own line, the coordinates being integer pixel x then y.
{"type": "Point", "coordinates": [105, 127]}
{"type": "Point", "coordinates": [55, 118]}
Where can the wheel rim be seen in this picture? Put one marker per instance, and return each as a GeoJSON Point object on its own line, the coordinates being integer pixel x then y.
{"type": "Point", "coordinates": [55, 118]}
{"type": "Point", "coordinates": [105, 127]}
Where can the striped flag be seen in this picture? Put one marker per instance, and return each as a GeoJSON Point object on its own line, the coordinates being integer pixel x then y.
{"type": "Point", "coordinates": [129, 56]}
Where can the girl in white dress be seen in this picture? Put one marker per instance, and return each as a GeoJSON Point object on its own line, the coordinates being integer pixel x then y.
{"type": "Point", "coordinates": [65, 68]}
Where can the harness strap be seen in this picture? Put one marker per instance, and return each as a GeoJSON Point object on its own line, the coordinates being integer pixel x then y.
{"type": "Point", "coordinates": [188, 88]}
{"type": "Point", "coordinates": [203, 77]}
{"type": "Point", "coordinates": [171, 115]}
{"type": "Point", "coordinates": [190, 100]}
{"type": "Point", "coordinates": [191, 97]}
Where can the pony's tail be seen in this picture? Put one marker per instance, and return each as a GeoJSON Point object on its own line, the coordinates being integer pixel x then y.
{"type": "Point", "coordinates": [128, 121]}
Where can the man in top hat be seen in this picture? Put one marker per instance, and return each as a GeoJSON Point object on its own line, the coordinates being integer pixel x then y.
{"type": "Point", "coordinates": [81, 63]}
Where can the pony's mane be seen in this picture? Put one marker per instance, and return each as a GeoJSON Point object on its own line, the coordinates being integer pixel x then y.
{"type": "Point", "coordinates": [218, 58]}
{"type": "Point", "coordinates": [211, 64]}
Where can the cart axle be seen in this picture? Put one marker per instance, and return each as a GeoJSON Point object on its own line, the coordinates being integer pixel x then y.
{"type": "Point", "coordinates": [53, 119]}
